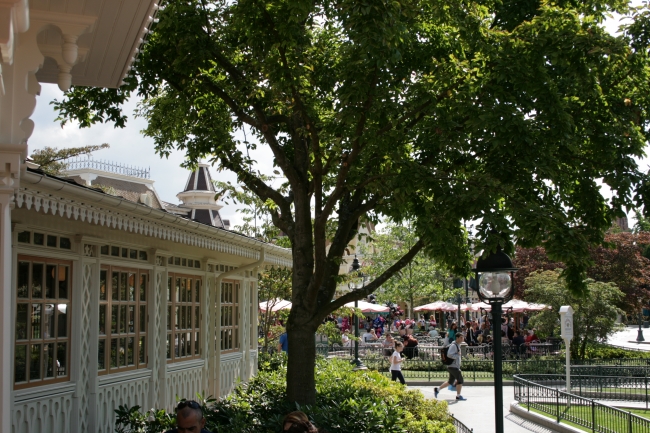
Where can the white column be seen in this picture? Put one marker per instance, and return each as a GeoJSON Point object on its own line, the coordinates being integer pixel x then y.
{"type": "Point", "coordinates": [157, 331]}
{"type": "Point", "coordinates": [6, 310]}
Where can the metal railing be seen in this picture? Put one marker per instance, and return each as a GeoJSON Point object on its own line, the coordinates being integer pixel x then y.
{"type": "Point", "coordinates": [573, 408]}
{"type": "Point", "coordinates": [108, 166]}
{"type": "Point", "coordinates": [460, 427]}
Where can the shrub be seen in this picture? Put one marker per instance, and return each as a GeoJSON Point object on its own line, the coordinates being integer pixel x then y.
{"type": "Point", "coordinates": [346, 401]}
{"type": "Point", "coordinates": [604, 351]}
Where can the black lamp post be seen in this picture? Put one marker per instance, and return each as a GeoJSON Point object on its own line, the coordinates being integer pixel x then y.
{"type": "Point", "coordinates": [639, 335]}
{"type": "Point", "coordinates": [355, 286]}
{"type": "Point", "coordinates": [495, 286]}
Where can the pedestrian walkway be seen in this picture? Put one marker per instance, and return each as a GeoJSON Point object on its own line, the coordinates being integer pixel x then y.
{"type": "Point", "coordinates": [627, 338]}
{"type": "Point", "coordinates": [478, 411]}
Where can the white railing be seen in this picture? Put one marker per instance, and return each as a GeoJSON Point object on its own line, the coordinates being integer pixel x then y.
{"type": "Point", "coordinates": [108, 166]}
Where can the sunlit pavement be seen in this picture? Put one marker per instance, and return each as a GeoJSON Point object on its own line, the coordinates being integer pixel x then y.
{"type": "Point", "coordinates": [627, 338]}
{"type": "Point", "coordinates": [478, 411]}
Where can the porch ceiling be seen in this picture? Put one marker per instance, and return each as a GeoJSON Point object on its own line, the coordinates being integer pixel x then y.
{"type": "Point", "coordinates": [106, 51]}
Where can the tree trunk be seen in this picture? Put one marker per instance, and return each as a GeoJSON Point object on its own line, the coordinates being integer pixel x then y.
{"type": "Point", "coordinates": [301, 383]}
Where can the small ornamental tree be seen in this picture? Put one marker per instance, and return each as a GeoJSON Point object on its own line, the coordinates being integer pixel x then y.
{"type": "Point", "coordinates": [594, 314]}
{"type": "Point", "coordinates": [429, 111]}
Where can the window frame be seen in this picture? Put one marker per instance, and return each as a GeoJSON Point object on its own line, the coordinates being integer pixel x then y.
{"type": "Point", "coordinates": [113, 331]}
{"type": "Point", "coordinates": [177, 308]}
{"type": "Point", "coordinates": [229, 305]}
{"type": "Point", "coordinates": [42, 340]}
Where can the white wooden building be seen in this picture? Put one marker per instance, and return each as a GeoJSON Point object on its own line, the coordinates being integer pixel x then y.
{"type": "Point", "coordinates": [107, 299]}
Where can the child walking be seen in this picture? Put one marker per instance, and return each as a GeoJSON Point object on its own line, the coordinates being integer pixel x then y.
{"type": "Point", "coordinates": [396, 363]}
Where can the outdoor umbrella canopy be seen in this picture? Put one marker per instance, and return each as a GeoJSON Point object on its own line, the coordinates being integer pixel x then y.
{"type": "Point", "coordinates": [436, 306]}
{"type": "Point", "coordinates": [367, 307]}
{"type": "Point", "coordinates": [517, 305]}
{"type": "Point", "coordinates": [275, 305]}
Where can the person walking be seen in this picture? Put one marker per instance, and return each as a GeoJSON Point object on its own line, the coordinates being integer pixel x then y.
{"type": "Point", "coordinates": [396, 363]}
{"type": "Point", "coordinates": [453, 331]}
{"type": "Point", "coordinates": [455, 375]}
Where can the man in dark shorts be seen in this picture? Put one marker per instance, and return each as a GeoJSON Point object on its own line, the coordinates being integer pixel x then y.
{"type": "Point", "coordinates": [455, 375]}
{"type": "Point", "coordinates": [189, 418]}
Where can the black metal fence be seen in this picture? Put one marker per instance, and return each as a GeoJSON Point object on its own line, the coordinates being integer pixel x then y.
{"type": "Point", "coordinates": [460, 427]}
{"type": "Point", "coordinates": [531, 392]}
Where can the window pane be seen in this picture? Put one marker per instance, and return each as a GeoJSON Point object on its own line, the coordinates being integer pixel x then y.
{"type": "Point", "coordinates": [143, 318]}
{"type": "Point", "coordinates": [197, 291]}
{"type": "Point", "coordinates": [130, 348]}
{"type": "Point", "coordinates": [35, 362]}
{"type": "Point", "coordinates": [102, 320]}
{"type": "Point", "coordinates": [48, 321]}
{"type": "Point", "coordinates": [115, 283]}
{"type": "Point", "coordinates": [183, 344]}
{"type": "Point", "coordinates": [177, 289]}
{"type": "Point", "coordinates": [114, 311]}
{"type": "Point", "coordinates": [123, 319]}
{"type": "Point", "coordinates": [20, 364]}
{"type": "Point", "coordinates": [196, 343]}
{"type": "Point", "coordinates": [39, 239]}
{"type": "Point", "coordinates": [182, 326]}
{"type": "Point", "coordinates": [169, 289]}
{"type": "Point", "coordinates": [102, 285]}
{"type": "Point", "coordinates": [115, 251]}
{"type": "Point", "coordinates": [196, 317]}
{"type": "Point", "coordinates": [131, 287]}
{"type": "Point", "coordinates": [65, 243]}
{"type": "Point", "coordinates": [143, 287]}
{"type": "Point", "coordinates": [101, 355]}
{"type": "Point", "coordinates": [125, 252]}
{"type": "Point", "coordinates": [183, 290]}
{"type": "Point", "coordinates": [169, 346]}
{"type": "Point", "coordinates": [36, 321]}
{"type": "Point", "coordinates": [178, 318]}
{"type": "Point", "coordinates": [131, 327]}
{"type": "Point", "coordinates": [62, 359]}
{"type": "Point", "coordinates": [123, 283]}
{"type": "Point", "coordinates": [104, 250]}
{"type": "Point", "coordinates": [63, 282]}
{"type": "Point", "coordinates": [23, 279]}
{"type": "Point", "coordinates": [50, 281]}
{"type": "Point", "coordinates": [114, 353]}
{"type": "Point", "coordinates": [169, 317]}
{"type": "Point", "coordinates": [51, 241]}
{"type": "Point", "coordinates": [142, 350]}
{"type": "Point", "coordinates": [176, 345]}
{"type": "Point", "coordinates": [122, 352]}
{"type": "Point", "coordinates": [133, 254]}
{"type": "Point", "coordinates": [48, 359]}
{"type": "Point", "coordinates": [62, 314]}
{"type": "Point", "coordinates": [21, 321]}
{"type": "Point", "coordinates": [25, 237]}
{"type": "Point", "coordinates": [37, 280]}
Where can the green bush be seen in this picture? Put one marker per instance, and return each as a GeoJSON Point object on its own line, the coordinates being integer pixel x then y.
{"type": "Point", "coordinates": [604, 351]}
{"type": "Point", "coordinates": [346, 401]}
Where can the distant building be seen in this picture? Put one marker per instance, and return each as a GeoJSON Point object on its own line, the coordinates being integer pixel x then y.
{"type": "Point", "coordinates": [622, 224]}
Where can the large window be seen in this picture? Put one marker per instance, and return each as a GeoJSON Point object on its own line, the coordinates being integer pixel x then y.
{"type": "Point", "coordinates": [42, 340]}
{"type": "Point", "coordinates": [122, 319]}
{"type": "Point", "coordinates": [183, 317]}
{"type": "Point", "coordinates": [229, 316]}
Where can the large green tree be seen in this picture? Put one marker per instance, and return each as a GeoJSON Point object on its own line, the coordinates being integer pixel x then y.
{"type": "Point", "coordinates": [594, 314]}
{"type": "Point", "coordinates": [421, 278]}
{"type": "Point", "coordinates": [437, 112]}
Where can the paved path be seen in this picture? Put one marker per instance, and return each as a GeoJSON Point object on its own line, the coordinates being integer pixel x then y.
{"type": "Point", "coordinates": [623, 338]}
{"type": "Point", "coordinates": [478, 411]}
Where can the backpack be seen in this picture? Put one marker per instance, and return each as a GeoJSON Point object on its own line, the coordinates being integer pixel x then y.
{"type": "Point", "coordinates": [446, 360]}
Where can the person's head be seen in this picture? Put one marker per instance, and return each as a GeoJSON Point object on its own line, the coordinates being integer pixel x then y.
{"type": "Point", "coordinates": [399, 346]}
{"type": "Point", "coordinates": [454, 326]}
{"type": "Point", "coordinates": [372, 331]}
{"type": "Point", "coordinates": [189, 417]}
{"type": "Point", "coordinates": [389, 337]}
{"type": "Point", "coordinates": [297, 422]}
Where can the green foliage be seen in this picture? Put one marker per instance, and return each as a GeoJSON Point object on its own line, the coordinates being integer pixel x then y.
{"type": "Point", "coordinates": [347, 401]}
{"type": "Point", "coordinates": [274, 284]}
{"type": "Point", "coordinates": [51, 159]}
{"type": "Point", "coordinates": [594, 314]}
{"type": "Point", "coordinates": [603, 351]}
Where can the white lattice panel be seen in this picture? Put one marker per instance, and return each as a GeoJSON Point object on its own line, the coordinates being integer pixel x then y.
{"type": "Point", "coordinates": [47, 415]}
{"type": "Point", "coordinates": [184, 384]}
{"type": "Point", "coordinates": [84, 375]}
{"type": "Point", "coordinates": [110, 397]}
{"type": "Point", "coordinates": [230, 374]}
{"type": "Point", "coordinates": [156, 361]}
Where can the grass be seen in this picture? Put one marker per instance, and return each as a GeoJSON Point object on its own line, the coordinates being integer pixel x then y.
{"type": "Point", "coordinates": [605, 421]}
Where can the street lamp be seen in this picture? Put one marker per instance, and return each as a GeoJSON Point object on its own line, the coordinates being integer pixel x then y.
{"type": "Point", "coordinates": [355, 286]}
{"type": "Point", "coordinates": [495, 276]}
{"type": "Point", "coordinates": [639, 335]}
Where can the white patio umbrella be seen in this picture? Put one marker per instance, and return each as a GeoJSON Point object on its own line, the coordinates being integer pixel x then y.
{"type": "Point", "coordinates": [367, 307]}
{"type": "Point", "coordinates": [275, 305]}
{"type": "Point", "coordinates": [434, 306]}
